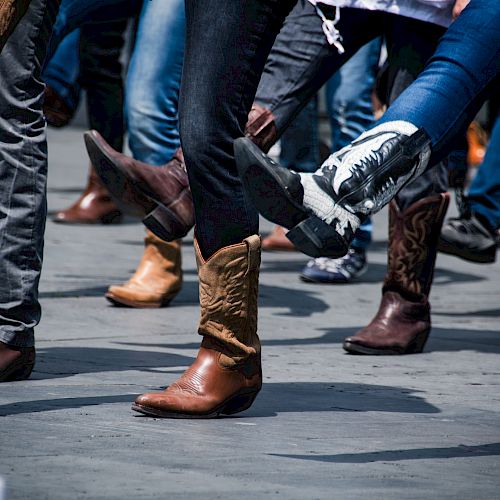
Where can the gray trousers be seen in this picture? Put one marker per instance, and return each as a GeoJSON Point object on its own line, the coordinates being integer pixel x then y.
{"type": "Point", "coordinates": [23, 173]}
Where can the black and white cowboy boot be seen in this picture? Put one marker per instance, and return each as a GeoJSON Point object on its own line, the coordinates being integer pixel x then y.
{"type": "Point", "coordinates": [322, 210]}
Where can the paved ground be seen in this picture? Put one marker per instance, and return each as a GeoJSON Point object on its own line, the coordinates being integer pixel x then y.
{"type": "Point", "coordinates": [326, 425]}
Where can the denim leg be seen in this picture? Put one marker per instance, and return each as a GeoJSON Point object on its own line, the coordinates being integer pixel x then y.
{"type": "Point", "coordinates": [23, 171]}
{"type": "Point", "coordinates": [484, 192]}
{"type": "Point", "coordinates": [227, 44]}
{"type": "Point", "coordinates": [447, 95]}
{"type": "Point", "coordinates": [63, 70]}
{"type": "Point", "coordinates": [153, 82]}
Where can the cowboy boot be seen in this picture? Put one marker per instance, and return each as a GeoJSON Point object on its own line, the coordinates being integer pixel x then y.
{"type": "Point", "coordinates": [403, 322]}
{"type": "Point", "coordinates": [226, 376]}
{"type": "Point", "coordinates": [94, 206]}
{"type": "Point", "coordinates": [160, 195]}
{"type": "Point", "coordinates": [11, 12]}
{"type": "Point", "coordinates": [16, 363]}
{"type": "Point", "coordinates": [157, 280]}
{"type": "Point", "coordinates": [323, 210]}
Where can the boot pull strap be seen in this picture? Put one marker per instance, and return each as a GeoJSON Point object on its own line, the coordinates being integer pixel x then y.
{"type": "Point", "coordinates": [253, 244]}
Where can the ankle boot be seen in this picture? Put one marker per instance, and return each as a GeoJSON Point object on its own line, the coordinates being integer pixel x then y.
{"type": "Point", "coordinates": [157, 280]}
{"type": "Point", "coordinates": [402, 323]}
{"type": "Point", "coordinates": [11, 12]}
{"type": "Point", "coordinates": [323, 210]}
{"type": "Point", "coordinates": [226, 376]}
{"type": "Point", "coordinates": [94, 206]}
{"type": "Point", "coordinates": [16, 363]}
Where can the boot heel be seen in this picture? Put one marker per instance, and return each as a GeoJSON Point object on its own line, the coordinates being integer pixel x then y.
{"type": "Point", "coordinates": [165, 224]}
{"type": "Point", "coordinates": [316, 238]}
{"type": "Point", "coordinates": [418, 343]}
{"type": "Point", "coordinates": [21, 373]}
{"type": "Point", "coordinates": [239, 403]}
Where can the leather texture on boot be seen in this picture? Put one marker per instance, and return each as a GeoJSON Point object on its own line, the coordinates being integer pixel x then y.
{"type": "Point", "coordinates": [226, 375]}
{"type": "Point", "coordinates": [139, 188]}
{"type": "Point", "coordinates": [157, 280]}
{"type": "Point", "coordinates": [402, 323]}
{"type": "Point", "coordinates": [16, 363]}
{"type": "Point", "coordinates": [261, 127]}
{"type": "Point", "coordinates": [94, 206]}
{"type": "Point", "coordinates": [11, 12]}
{"type": "Point", "coordinates": [278, 241]}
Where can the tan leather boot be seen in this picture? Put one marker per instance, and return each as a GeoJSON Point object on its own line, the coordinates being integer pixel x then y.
{"type": "Point", "coordinates": [94, 206]}
{"type": "Point", "coordinates": [157, 280]}
{"type": "Point", "coordinates": [226, 376]}
{"type": "Point", "coordinates": [11, 12]}
{"type": "Point", "coordinates": [403, 323]}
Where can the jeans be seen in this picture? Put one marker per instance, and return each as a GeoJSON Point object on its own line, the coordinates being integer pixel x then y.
{"type": "Point", "coordinates": [447, 95]}
{"type": "Point", "coordinates": [153, 82]}
{"type": "Point", "coordinates": [484, 191]}
{"type": "Point", "coordinates": [23, 173]}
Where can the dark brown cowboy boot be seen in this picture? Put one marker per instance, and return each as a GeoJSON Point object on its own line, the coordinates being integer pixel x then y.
{"type": "Point", "coordinates": [226, 376]}
{"type": "Point", "coordinates": [16, 363]}
{"type": "Point", "coordinates": [94, 206]}
{"type": "Point", "coordinates": [402, 323]}
{"type": "Point", "coordinates": [11, 12]}
{"type": "Point", "coordinates": [160, 195]}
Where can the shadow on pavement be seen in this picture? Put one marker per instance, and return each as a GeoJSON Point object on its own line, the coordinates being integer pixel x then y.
{"type": "Point", "coordinates": [276, 398]}
{"type": "Point", "coordinates": [460, 451]}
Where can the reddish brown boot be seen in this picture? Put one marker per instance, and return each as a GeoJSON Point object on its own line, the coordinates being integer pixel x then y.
{"type": "Point", "coordinates": [277, 241]}
{"type": "Point", "coordinates": [11, 12]}
{"type": "Point", "coordinates": [16, 363]}
{"type": "Point", "coordinates": [226, 375]}
{"type": "Point", "coordinates": [94, 206]}
{"type": "Point", "coordinates": [402, 323]}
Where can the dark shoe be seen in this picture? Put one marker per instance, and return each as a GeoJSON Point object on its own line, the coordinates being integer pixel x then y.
{"type": "Point", "coordinates": [323, 210]}
{"type": "Point", "coordinates": [226, 376]}
{"type": "Point", "coordinates": [160, 195]}
{"type": "Point", "coordinates": [16, 363]}
{"type": "Point", "coordinates": [468, 239]}
{"type": "Point", "coordinates": [94, 206]}
{"type": "Point", "coordinates": [277, 241]}
{"type": "Point", "coordinates": [342, 270]}
{"type": "Point", "coordinates": [402, 323]}
{"type": "Point", "coordinates": [57, 113]}
{"type": "Point", "coordinates": [400, 327]}
{"type": "Point", "coordinates": [11, 12]}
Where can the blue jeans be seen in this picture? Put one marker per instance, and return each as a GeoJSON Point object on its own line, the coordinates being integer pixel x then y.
{"type": "Point", "coordinates": [484, 192]}
{"type": "Point", "coordinates": [153, 82]}
{"type": "Point", "coordinates": [447, 95]}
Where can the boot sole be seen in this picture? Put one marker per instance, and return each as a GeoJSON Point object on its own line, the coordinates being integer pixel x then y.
{"type": "Point", "coordinates": [416, 346]}
{"type": "Point", "coordinates": [158, 218]}
{"type": "Point", "coordinates": [266, 184]}
{"type": "Point", "coordinates": [136, 304]}
{"type": "Point", "coordinates": [17, 372]}
{"type": "Point", "coordinates": [115, 217]}
{"type": "Point", "coordinates": [235, 404]}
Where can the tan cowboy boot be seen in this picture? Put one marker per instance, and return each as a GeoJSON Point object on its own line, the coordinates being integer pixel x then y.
{"type": "Point", "coordinates": [11, 12]}
{"type": "Point", "coordinates": [403, 323]}
{"type": "Point", "coordinates": [226, 376]}
{"type": "Point", "coordinates": [157, 280]}
{"type": "Point", "coordinates": [94, 206]}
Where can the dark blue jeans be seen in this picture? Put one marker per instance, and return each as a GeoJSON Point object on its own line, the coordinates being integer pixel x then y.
{"type": "Point", "coordinates": [484, 192]}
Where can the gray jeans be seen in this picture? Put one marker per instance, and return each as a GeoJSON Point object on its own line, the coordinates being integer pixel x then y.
{"type": "Point", "coordinates": [23, 173]}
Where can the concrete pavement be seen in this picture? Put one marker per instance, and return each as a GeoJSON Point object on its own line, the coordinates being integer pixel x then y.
{"type": "Point", "coordinates": [326, 425]}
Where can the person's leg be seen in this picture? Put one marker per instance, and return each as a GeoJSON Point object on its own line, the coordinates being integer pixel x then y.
{"type": "Point", "coordinates": [325, 208]}
{"type": "Point", "coordinates": [472, 236]}
{"type": "Point", "coordinates": [23, 170]}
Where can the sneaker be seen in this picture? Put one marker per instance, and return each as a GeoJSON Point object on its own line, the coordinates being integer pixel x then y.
{"type": "Point", "coordinates": [324, 209]}
{"type": "Point", "coordinates": [469, 239]}
{"type": "Point", "coordinates": [342, 270]}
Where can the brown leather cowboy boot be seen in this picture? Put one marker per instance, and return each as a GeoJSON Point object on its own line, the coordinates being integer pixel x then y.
{"type": "Point", "coordinates": [226, 376]}
{"type": "Point", "coordinates": [157, 280]}
{"type": "Point", "coordinates": [94, 206]}
{"type": "Point", "coordinates": [402, 323]}
{"type": "Point", "coordinates": [11, 12]}
{"type": "Point", "coordinates": [16, 363]}
{"type": "Point", "coordinates": [160, 195]}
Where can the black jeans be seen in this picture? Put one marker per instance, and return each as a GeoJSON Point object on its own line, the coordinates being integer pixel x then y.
{"type": "Point", "coordinates": [227, 44]}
